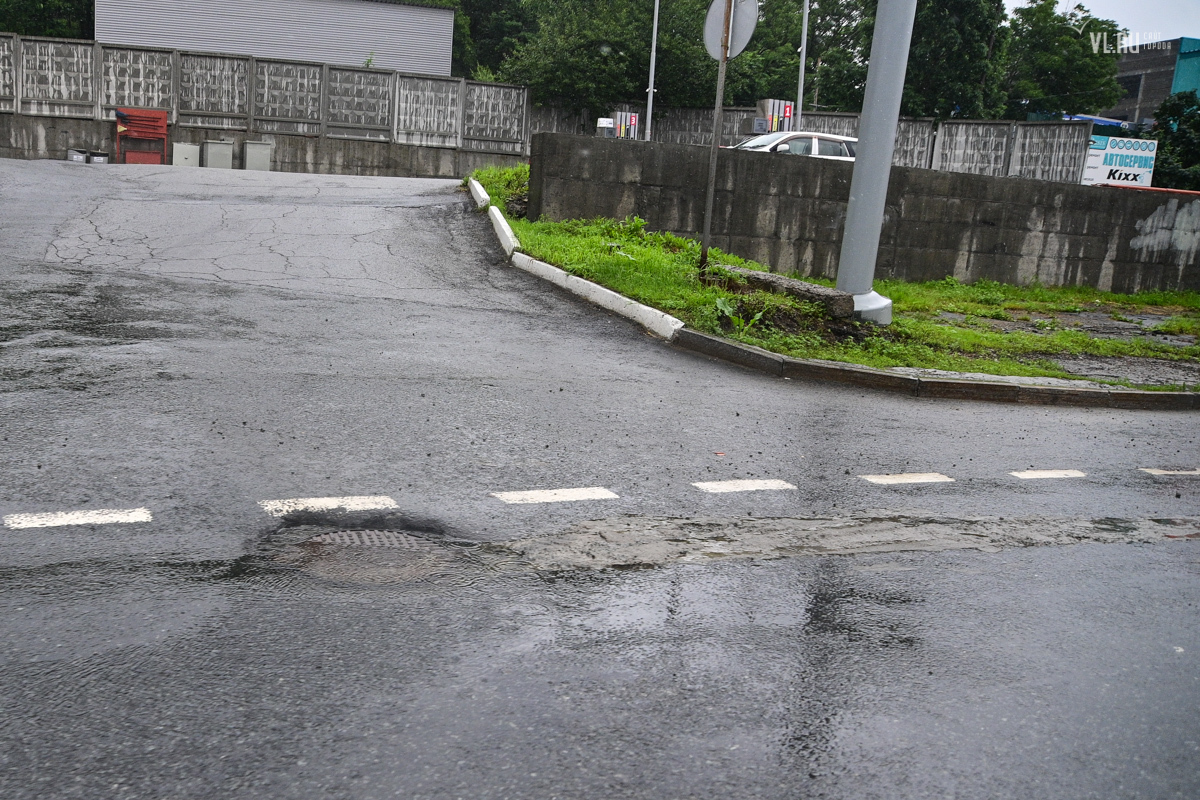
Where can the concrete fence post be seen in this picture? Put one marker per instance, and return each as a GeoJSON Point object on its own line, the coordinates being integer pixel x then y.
{"type": "Point", "coordinates": [176, 71]}
{"type": "Point", "coordinates": [18, 73]}
{"type": "Point", "coordinates": [251, 89]}
{"type": "Point", "coordinates": [98, 80]}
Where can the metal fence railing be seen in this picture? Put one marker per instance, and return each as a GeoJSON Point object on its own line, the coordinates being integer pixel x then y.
{"type": "Point", "coordinates": [81, 79]}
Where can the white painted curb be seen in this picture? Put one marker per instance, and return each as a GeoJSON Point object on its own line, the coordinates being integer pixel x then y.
{"type": "Point", "coordinates": [508, 240]}
{"type": "Point", "coordinates": [651, 319]}
{"type": "Point", "coordinates": [482, 198]}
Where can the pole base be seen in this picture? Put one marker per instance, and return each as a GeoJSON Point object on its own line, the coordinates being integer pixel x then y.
{"type": "Point", "coordinates": [873, 307]}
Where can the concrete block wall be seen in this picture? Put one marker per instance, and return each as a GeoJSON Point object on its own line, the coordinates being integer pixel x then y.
{"type": "Point", "coordinates": [789, 212]}
{"type": "Point", "coordinates": [23, 136]}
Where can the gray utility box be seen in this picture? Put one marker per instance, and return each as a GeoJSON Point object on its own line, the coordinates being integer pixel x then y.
{"type": "Point", "coordinates": [216, 154]}
{"type": "Point", "coordinates": [185, 155]}
{"type": "Point", "coordinates": [78, 156]}
{"type": "Point", "coordinates": [257, 155]}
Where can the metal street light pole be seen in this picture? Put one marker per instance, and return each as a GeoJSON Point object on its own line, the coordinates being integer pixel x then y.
{"type": "Point", "coordinates": [803, 57]}
{"type": "Point", "coordinates": [653, 57]}
{"type": "Point", "coordinates": [873, 161]}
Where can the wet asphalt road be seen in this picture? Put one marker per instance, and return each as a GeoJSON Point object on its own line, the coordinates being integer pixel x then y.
{"type": "Point", "coordinates": [194, 342]}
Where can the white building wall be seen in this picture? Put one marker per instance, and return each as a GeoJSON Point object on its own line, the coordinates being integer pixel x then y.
{"type": "Point", "coordinates": [345, 32]}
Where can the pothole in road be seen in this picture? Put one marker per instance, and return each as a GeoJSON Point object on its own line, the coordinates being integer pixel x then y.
{"type": "Point", "coordinates": [377, 549]}
{"type": "Point", "coordinates": [392, 549]}
{"type": "Point", "coordinates": [638, 542]}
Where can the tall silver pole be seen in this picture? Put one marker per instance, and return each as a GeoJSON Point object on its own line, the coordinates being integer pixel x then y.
{"type": "Point", "coordinates": [716, 142]}
{"type": "Point", "coordinates": [873, 162]}
{"type": "Point", "coordinates": [653, 56]}
{"type": "Point", "coordinates": [798, 113]}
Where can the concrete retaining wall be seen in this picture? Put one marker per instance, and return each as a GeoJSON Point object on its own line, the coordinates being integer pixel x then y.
{"type": "Point", "coordinates": [789, 211]}
{"type": "Point", "coordinates": [50, 137]}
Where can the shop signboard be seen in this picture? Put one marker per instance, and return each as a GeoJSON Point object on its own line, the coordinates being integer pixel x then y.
{"type": "Point", "coordinates": [1118, 161]}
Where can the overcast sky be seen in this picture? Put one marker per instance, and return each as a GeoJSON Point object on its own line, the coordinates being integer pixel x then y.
{"type": "Point", "coordinates": [1170, 18]}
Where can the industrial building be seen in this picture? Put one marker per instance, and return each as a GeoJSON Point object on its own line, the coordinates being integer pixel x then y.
{"type": "Point", "coordinates": [1150, 73]}
{"type": "Point", "coordinates": [409, 36]}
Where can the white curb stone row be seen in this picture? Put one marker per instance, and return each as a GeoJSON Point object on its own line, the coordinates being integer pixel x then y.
{"type": "Point", "coordinates": [653, 320]}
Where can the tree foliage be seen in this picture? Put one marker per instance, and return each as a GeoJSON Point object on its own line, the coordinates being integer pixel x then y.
{"type": "Point", "coordinates": [67, 19]}
{"type": "Point", "coordinates": [1177, 128]}
{"type": "Point", "coordinates": [1057, 62]}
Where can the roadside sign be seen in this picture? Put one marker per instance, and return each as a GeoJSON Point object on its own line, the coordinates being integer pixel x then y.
{"type": "Point", "coordinates": [1117, 161]}
{"type": "Point", "coordinates": [741, 26]}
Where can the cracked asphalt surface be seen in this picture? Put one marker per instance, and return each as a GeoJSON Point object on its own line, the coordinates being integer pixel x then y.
{"type": "Point", "coordinates": [195, 342]}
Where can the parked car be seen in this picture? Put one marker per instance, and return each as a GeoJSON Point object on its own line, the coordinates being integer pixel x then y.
{"type": "Point", "coordinates": [802, 143]}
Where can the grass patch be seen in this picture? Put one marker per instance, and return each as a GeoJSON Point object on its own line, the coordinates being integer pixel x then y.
{"type": "Point", "coordinates": [661, 270]}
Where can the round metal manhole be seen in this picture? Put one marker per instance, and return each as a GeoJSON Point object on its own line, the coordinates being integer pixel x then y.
{"type": "Point", "coordinates": [375, 556]}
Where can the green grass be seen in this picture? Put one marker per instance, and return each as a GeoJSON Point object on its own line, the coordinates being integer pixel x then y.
{"type": "Point", "coordinates": [660, 270]}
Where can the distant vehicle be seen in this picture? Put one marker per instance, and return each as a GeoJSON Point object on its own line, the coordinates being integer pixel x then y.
{"type": "Point", "coordinates": [802, 143]}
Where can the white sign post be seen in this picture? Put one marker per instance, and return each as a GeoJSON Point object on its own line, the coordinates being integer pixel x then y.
{"type": "Point", "coordinates": [1117, 161]}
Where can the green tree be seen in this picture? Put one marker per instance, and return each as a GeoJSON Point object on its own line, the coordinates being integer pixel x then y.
{"type": "Point", "coordinates": [67, 19]}
{"type": "Point", "coordinates": [490, 30]}
{"type": "Point", "coordinates": [1177, 129]}
{"type": "Point", "coordinates": [956, 60]}
{"type": "Point", "coordinates": [1058, 62]}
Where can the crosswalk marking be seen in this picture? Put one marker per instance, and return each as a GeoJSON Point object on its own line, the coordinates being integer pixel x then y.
{"type": "Point", "coordinates": [556, 495]}
{"type": "Point", "coordinates": [1153, 471]}
{"type": "Point", "coordinates": [908, 477]}
{"type": "Point", "coordinates": [720, 487]}
{"type": "Point", "coordinates": [99, 516]}
{"type": "Point", "coordinates": [277, 508]}
{"type": "Point", "coordinates": [1039, 474]}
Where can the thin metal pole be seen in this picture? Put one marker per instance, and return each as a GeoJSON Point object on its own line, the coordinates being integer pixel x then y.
{"type": "Point", "coordinates": [803, 58]}
{"type": "Point", "coordinates": [653, 57]}
{"type": "Point", "coordinates": [716, 142]}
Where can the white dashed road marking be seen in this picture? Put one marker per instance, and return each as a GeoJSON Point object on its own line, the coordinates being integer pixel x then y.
{"type": "Point", "coordinates": [1171, 471]}
{"type": "Point", "coordinates": [100, 516]}
{"type": "Point", "coordinates": [908, 477]}
{"type": "Point", "coordinates": [556, 495]}
{"type": "Point", "coordinates": [277, 508]}
{"type": "Point", "coordinates": [719, 487]}
{"type": "Point", "coordinates": [1038, 474]}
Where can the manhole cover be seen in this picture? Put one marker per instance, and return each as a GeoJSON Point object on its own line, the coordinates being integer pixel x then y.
{"type": "Point", "coordinates": [369, 556]}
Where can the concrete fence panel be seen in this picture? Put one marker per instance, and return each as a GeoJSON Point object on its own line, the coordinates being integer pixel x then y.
{"type": "Point", "coordinates": [136, 79]}
{"type": "Point", "coordinates": [978, 148]}
{"type": "Point", "coordinates": [428, 111]}
{"type": "Point", "coordinates": [287, 97]}
{"type": "Point", "coordinates": [57, 78]}
{"type": "Point", "coordinates": [214, 91]}
{"type": "Point", "coordinates": [495, 118]}
{"type": "Point", "coordinates": [7, 73]}
{"type": "Point", "coordinates": [359, 104]}
{"type": "Point", "coordinates": [827, 122]}
{"type": "Point", "coordinates": [914, 143]}
{"type": "Point", "coordinates": [1050, 151]}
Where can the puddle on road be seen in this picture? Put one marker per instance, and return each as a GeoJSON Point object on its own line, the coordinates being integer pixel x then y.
{"type": "Point", "coordinates": [395, 548]}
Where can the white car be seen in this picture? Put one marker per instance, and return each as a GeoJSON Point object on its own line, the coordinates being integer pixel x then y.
{"type": "Point", "coordinates": [802, 143]}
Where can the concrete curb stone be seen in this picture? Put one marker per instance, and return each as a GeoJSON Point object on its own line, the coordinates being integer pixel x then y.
{"type": "Point", "coordinates": [508, 240]}
{"type": "Point", "coordinates": [674, 332]}
{"type": "Point", "coordinates": [482, 198]}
